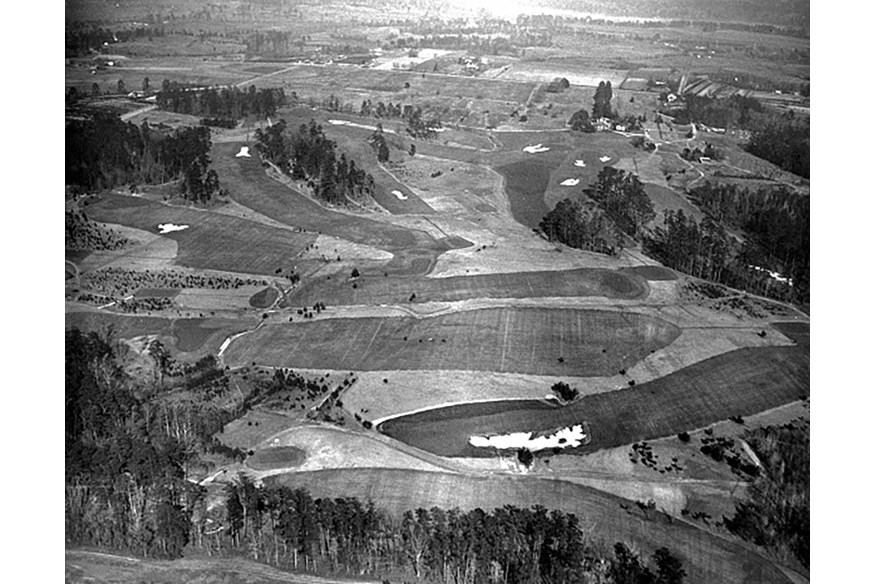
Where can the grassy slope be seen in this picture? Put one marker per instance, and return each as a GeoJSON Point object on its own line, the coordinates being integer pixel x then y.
{"type": "Point", "coordinates": [524, 340]}
{"type": "Point", "coordinates": [376, 288]}
{"type": "Point", "coordinates": [742, 382]}
{"type": "Point", "coordinates": [212, 241]}
{"type": "Point", "coordinates": [82, 566]}
{"type": "Point", "coordinates": [707, 558]}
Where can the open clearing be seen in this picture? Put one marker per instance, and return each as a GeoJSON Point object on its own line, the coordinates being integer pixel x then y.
{"type": "Point", "coordinates": [706, 558]}
{"type": "Point", "coordinates": [276, 457]}
{"type": "Point", "coordinates": [741, 382]}
{"type": "Point", "coordinates": [541, 341]}
{"type": "Point", "coordinates": [214, 241]}
{"type": "Point", "coordinates": [325, 447]}
{"type": "Point", "coordinates": [379, 289]}
{"type": "Point", "coordinates": [81, 567]}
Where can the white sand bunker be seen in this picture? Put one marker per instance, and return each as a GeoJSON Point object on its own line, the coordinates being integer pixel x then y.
{"type": "Point", "coordinates": [400, 196]}
{"type": "Point", "coordinates": [580, 163]}
{"type": "Point", "coordinates": [570, 182]}
{"type": "Point", "coordinates": [563, 438]}
{"type": "Point", "coordinates": [339, 122]}
{"type": "Point", "coordinates": [604, 158]}
{"type": "Point", "coordinates": [244, 152]}
{"type": "Point", "coordinates": [168, 227]}
{"type": "Point", "coordinates": [535, 149]}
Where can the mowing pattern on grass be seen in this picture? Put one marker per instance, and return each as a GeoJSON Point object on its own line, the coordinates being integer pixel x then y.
{"type": "Point", "coordinates": [277, 457]}
{"type": "Point", "coordinates": [706, 558]}
{"type": "Point", "coordinates": [541, 341]}
{"type": "Point", "coordinates": [375, 288]}
{"type": "Point", "coordinates": [655, 273]}
{"type": "Point", "coordinates": [213, 241]}
{"type": "Point", "coordinates": [264, 298]}
{"type": "Point", "coordinates": [248, 184]}
{"type": "Point", "coordinates": [796, 331]}
{"type": "Point", "coordinates": [738, 383]}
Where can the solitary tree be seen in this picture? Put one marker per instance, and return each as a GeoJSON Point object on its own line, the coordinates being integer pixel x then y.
{"type": "Point", "coordinates": [145, 84]}
{"type": "Point", "coordinates": [121, 86]}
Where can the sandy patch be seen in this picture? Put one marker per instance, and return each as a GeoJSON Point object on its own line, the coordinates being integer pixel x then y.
{"type": "Point", "coordinates": [535, 149]}
{"type": "Point", "coordinates": [580, 163]}
{"type": "Point", "coordinates": [604, 158]}
{"type": "Point", "coordinates": [570, 182]}
{"type": "Point", "coordinates": [563, 438]}
{"type": "Point", "coordinates": [244, 152]}
{"type": "Point", "coordinates": [327, 247]}
{"type": "Point", "coordinates": [400, 196]}
{"type": "Point", "coordinates": [170, 227]}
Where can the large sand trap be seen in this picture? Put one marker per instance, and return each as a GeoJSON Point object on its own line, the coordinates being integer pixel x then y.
{"type": "Point", "coordinates": [169, 227]}
{"type": "Point", "coordinates": [580, 163]}
{"type": "Point", "coordinates": [400, 196]}
{"type": "Point", "coordinates": [244, 152]}
{"type": "Point", "coordinates": [535, 149]}
{"type": "Point", "coordinates": [563, 438]}
{"type": "Point", "coordinates": [570, 182]}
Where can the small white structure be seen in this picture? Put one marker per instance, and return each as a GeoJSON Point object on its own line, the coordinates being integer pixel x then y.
{"type": "Point", "coordinates": [169, 227]}
{"type": "Point", "coordinates": [244, 152]}
{"type": "Point", "coordinates": [570, 182]}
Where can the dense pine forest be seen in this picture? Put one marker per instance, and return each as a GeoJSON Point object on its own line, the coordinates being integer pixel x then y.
{"type": "Point", "coordinates": [226, 102]}
{"type": "Point", "coordinates": [777, 514]}
{"type": "Point", "coordinates": [104, 152]}
{"type": "Point", "coordinates": [308, 155]}
{"type": "Point", "coordinates": [769, 258]}
{"type": "Point", "coordinates": [773, 258]}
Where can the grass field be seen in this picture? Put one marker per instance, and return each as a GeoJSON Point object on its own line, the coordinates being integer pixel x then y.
{"type": "Point", "coordinates": [796, 331]}
{"type": "Point", "coordinates": [264, 298]}
{"type": "Point", "coordinates": [276, 457]}
{"type": "Point", "coordinates": [540, 341]}
{"type": "Point", "coordinates": [415, 251]}
{"type": "Point", "coordinates": [81, 566]}
{"type": "Point", "coordinates": [706, 558]}
{"type": "Point", "coordinates": [212, 240]}
{"type": "Point", "coordinates": [123, 326]}
{"type": "Point", "coordinates": [742, 382]}
{"type": "Point", "coordinates": [653, 273]}
{"type": "Point", "coordinates": [375, 288]}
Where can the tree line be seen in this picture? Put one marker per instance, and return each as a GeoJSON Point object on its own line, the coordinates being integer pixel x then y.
{"type": "Point", "coordinates": [79, 41]}
{"type": "Point", "coordinates": [772, 260]}
{"type": "Point", "coordinates": [129, 455]}
{"type": "Point", "coordinates": [292, 529]}
{"type": "Point", "coordinates": [308, 155]}
{"type": "Point", "coordinates": [104, 152]}
{"type": "Point", "coordinates": [227, 102]}
{"type": "Point", "coordinates": [776, 514]}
